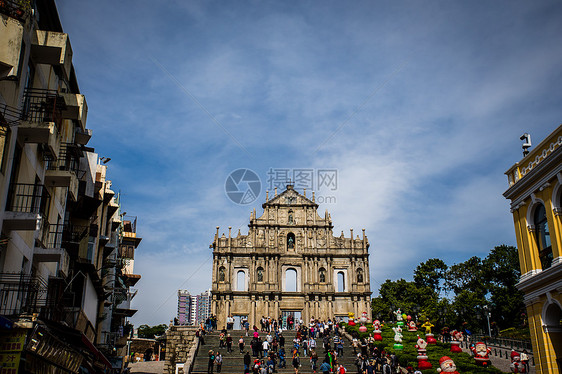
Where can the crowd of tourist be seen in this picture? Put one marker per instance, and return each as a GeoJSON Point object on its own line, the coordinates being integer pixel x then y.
{"type": "Point", "coordinates": [319, 344]}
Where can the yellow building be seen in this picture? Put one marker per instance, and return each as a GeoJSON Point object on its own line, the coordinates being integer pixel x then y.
{"type": "Point", "coordinates": [535, 191]}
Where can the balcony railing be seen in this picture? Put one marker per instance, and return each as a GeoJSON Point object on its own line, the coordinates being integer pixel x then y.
{"type": "Point", "coordinates": [21, 294]}
{"type": "Point", "coordinates": [18, 9]}
{"type": "Point", "coordinates": [127, 251]}
{"type": "Point", "coordinates": [64, 235]}
{"type": "Point", "coordinates": [41, 105]}
{"type": "Point", "coordinates": [9, 116]}
{"type": "Point", "coordinates": [68, 160]}
{"type": "Point", "coordinates": [28, 198]}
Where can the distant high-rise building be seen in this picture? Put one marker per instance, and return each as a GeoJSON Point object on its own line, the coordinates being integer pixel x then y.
{"type": "Point", "coordinates": [193, 309]}
{"type": "Point", "coordinates": [185, 300]}
{"type": "Point", "coordinates": [203, 306]}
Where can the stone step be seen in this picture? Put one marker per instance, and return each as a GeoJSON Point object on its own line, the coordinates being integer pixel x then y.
{"type": "Point", "coordinates": [234, 362]}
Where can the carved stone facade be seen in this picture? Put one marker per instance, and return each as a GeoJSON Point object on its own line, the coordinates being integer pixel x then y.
{"type": "Point", "coordinates": [290, 263]}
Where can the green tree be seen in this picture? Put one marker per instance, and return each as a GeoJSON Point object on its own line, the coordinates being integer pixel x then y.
{"type": "Point", "coordinates": [430, 274]}
{"type": "Point", "coordinates": [150, 332]}
{"type": "Point", "coordinates": [407, 296]}
{"type": "Point", "coordinates": [502, 272]}
{"type": "Point", "coordinates": [467, 275]}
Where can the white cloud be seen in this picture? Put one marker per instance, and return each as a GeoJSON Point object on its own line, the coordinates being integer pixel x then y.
{"type": "Point", "coordinates": [420, 164]}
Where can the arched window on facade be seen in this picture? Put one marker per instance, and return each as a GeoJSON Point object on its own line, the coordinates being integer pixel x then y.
{"type": "Point", "coordinates": [553, 317]}
{"type": "Point", "coordinates": [241, 281]}
{"type": "Point", "coordinates": [322, 273]}
{"type": "Point", "coordinates": [290, 241]}
{"type": "Point", "coordinates": [291, 280]}
{"type": "Point", "coordinates": [260, 274]}
{"type": "Point", "coordinates": [341, 281]}
{"type": "Point", "coordinates": [359, 275]}
{"type": "Point", "coordinates": [542, 237]}
{"type": "Point", "coordinates": [221, 274]}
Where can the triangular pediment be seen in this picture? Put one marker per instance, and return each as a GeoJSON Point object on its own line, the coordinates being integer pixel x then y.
{"type": "Point", "coordinates": [290, 197]}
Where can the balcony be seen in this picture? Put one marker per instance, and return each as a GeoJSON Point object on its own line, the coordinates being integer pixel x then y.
{"type": "Point", "coordinates": [82, 137]}
{"type": "Point", "coordinates": [53, 249]}
{"type": "Point", "coordinates": [9, 116]}
{"type": "Point", "coordinates": [110, 246]}
{"type": "Point", "coordinates": [76, 108]}
{"type": "Point", "coordinates": [53, 48]}
{"type": "Point", "coordinates": [127, 251]}
{"type": "Point", "coordinates": [26, 205]}
{"type": "Point", "coordinates": [21, 294]}
{"type": "Point", "coordinates": [42, 119]}
{"type": "Point", "coordinates": [112, 207]}
{"type": "Point", "coordinates": [130, 279]}
{"type": "Point", "coordinates": [64, 172]}
{"type": "Point", "coordinates": [123, 302]}
{"type": "Point", "coordinates": [10, 43]}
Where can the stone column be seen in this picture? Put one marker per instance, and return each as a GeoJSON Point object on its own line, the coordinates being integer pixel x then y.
{"type": "Point", "coordinates": [276, 314]}
{"type": "Point", "coordinates": [316, 311]}
{"type": "Point", "coordinates": [252, 318]}
{"type": "Point", "coordinates": [227, 302]}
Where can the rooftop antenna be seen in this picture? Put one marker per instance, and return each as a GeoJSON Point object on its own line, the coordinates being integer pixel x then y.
{"type": "Point", "coordinates": [526, 143]}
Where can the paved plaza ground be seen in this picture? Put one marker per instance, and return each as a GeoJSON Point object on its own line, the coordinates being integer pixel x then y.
{"type": "Point", "coordinates": [156, 367]}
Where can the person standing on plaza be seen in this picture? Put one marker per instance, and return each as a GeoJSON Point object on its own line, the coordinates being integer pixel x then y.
{"type": "Point", "coordinates": [296, 361]}
{"type": "Point", "coordinates": [325, 367]}
{"type": "Point", "coordinates": [339, 347]}
{"type": "Point", "coordinates": [263, 368]}
{"type": "Point", "coordinates": [271, 364]}
{"type": "Point", "coordinates": [371, 367]}
{"type": "Point", "coordinates": [229, 343]}
{"type": "Point", "coordinates": [313, 360]}
{"type": "Point", "coordinates": [265, 348]}
{"type": "Point", "coordinates": [359, 363]}
{"type": "Point", "coordinates": [282, 361]}
{"type": "Point", "coordinates": [218, 362]}
{"type": "Point", "coordinates": [341, 369]}
{"type": "Point", "coordinates": [221, 340]}
{"type": "Point", "coordinates": [199, 334]}
{"type": "Point", "coordinates": [241, 344]}
{"type": "Point", "coordinates": [211, 362]}
{"type": "Point", "coordinates": [247, 361]}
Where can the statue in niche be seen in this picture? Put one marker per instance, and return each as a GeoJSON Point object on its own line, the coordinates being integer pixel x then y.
{"type": "Point", "coordinates": [221, 274]}
{"type": "Point", "coordinates": [290, 242]}
{"type": "Point", "coordinates": [260, 275]}
{"type": "Point", "coordinates": [359, 276]}
{"type": "Point", "coordinates": [322, 275]}
{"type": "Point", "coordinates": [290, 217]}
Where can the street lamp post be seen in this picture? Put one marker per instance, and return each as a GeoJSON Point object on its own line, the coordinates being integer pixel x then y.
{"type": "Point", "coordinates": [488, 317]}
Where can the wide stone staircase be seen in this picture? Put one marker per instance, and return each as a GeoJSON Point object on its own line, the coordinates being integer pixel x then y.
{"type": "Point", "coordinates": [234, 362]}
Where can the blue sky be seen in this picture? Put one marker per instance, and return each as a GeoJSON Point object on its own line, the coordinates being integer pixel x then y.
{"type": "Point", "coordinates": [418, 105]}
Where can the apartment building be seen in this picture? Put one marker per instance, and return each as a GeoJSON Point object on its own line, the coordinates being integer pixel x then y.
{"type": "Point", "coordinates": [184, 308]}
{"type": "Point", "coordinates": [66, 250]}
{"type": "Point", "coordinates": [193, 309]}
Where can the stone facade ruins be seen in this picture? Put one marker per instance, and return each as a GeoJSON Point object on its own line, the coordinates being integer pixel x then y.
{"type": "Point", "coordinates": [289, 263]}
